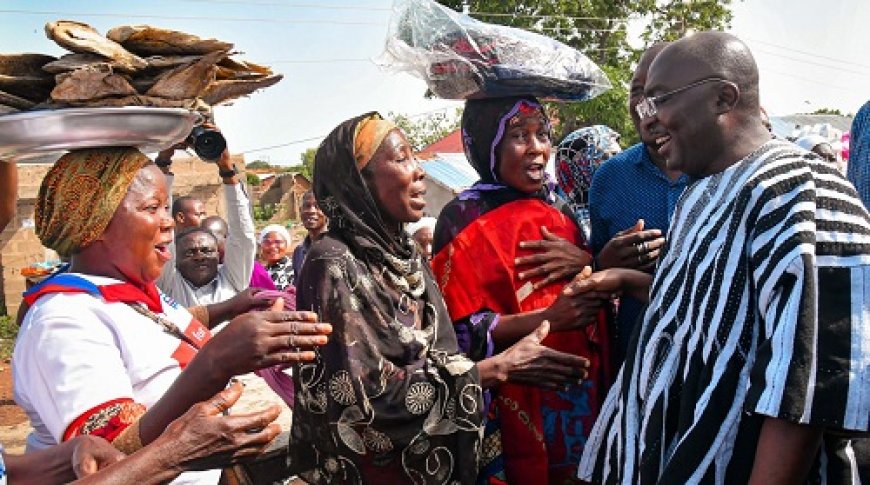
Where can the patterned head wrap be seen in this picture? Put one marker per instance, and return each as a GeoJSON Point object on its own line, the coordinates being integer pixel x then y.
{"type": "Point", "coordinates": [369, 135]}
{"type": "Point", "coordinates": [484, 123]}
{"type": "Point", "coordinates": [578, 157]}
{"type": "Point", "coordinates": [80, 194]}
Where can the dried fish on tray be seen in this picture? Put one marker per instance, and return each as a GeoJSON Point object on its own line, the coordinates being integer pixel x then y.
{"type": "Point", "coordinates": [141, 66]}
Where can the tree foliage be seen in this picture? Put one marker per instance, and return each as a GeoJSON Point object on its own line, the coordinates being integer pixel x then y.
{"type": "Point", "coordinates": [599, 29]}
{"type": "Point", "coordinates": [258, 165]}
{"type": "Point", "coordinates": [425, 130]}
{"type": "Point", "coordinates": [828, 111]}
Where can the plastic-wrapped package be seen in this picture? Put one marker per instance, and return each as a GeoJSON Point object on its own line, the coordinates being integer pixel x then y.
{"type": "Point", "coordinates": [463, 58]}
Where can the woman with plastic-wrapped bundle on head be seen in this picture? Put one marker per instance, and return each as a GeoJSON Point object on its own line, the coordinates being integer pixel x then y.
{"type": "Point", "coordinates": [533, 436]}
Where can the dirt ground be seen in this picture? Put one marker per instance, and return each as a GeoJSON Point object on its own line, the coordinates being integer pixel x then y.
{"type": "Point", "coordinates": [14, 425]}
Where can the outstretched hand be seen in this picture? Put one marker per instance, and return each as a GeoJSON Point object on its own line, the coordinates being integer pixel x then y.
{"type": "Point", "coordinates": [531, 363]}
{"type": "Point", "coordinates": [262, 339]}
{"type": "Point", "coordinates": [204, 438]}
{"type": "Point", "coordinates": [614, 281]}
{"type": "Point", "coordinates": [555, 259]}
{"type": "Point", "coordinates": [632, 248]}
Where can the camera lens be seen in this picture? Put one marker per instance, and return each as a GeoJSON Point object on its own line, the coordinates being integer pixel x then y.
{"type": "Point", "coordinates": [208, 144]}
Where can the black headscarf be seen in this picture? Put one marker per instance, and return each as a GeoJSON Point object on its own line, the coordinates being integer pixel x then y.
{"type": "Point", "coordinates": [354, 217]}
{"type": "Point", "coordinates": [484, 122]}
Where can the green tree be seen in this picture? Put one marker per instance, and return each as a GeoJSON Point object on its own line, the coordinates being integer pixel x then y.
{"type": "Point", "coordinates": [306, 168]}
{"type": "Point", "coordinates": [425, 130]}
{"type": "Point", "coordinates": [252, 178]}
{"type": "Point", "coordinates": [828, 111]}
{"type": "Point", "coordinates": [258, 165]}
{"type": "Point", "coordinates": [598, 28]}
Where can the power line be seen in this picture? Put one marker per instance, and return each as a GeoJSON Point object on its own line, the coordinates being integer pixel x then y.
{"type": "Point", "coordinates": [187, 17]}
{"type": "Point", "coordinates": [814, 81]}
{"type": "Point", "coordinates": [804, 61]}
{"type": "Point", "coordinates": [294, 5]}
{"type": "Point", "coordinates": [314, 138]}
{"type": "Point", "coordinates": [808, 53]}
{"type": "Point", "coordinates": [312, 61]}
{"type": "Point", "coordinates": [542, 16]}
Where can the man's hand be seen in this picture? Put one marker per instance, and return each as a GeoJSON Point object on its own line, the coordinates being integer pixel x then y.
{"type": "Point", "coordinates": [555, 259]}
{"type": "Point", "coordinates": [632, 248]}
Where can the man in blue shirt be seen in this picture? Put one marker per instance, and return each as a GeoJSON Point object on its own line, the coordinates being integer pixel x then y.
{"type": "Point", "coordinates": [858, 170]}
{"type": "Point", "coordinates": [631, 201]}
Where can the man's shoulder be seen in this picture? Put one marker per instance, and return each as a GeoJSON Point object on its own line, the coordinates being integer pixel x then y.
{"type": "Point", "coordinates": [623, 160]}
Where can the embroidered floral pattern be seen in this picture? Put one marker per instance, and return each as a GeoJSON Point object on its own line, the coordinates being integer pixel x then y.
{"type": "Point", "coordinates": [420, 397]}
{"type": "Point", "coordinates": [340, 388]}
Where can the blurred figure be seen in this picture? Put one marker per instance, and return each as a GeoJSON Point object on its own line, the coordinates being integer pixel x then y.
{"type": "Point", "coordinates": [578, 156]}
{"type": "Point", "coordinates": [188, 212]}
{"type": "Point", "coordinates": [218, 227]}
{"type": "Point", "coordinates": [818, 145]}
{"type": "Point", "coordinates": [9, 189]}
{"type": "Point", "coordinates": [422, 232]}
{"type": "Point", "coordinates": [859, 153]}
{"type": "Point", "coordinates": [274, 244]}
{"type": "Point", "coordinates": [314, 220]}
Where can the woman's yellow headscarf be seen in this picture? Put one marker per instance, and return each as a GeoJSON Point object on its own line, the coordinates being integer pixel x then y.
{"type": "Point", "coordinates": [368, 137]}
{"type": "Point", "coordinates": [80, 194]}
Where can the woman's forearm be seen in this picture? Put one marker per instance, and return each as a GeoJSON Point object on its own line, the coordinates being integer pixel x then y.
{"type": "Point", "coordinates": [512, 328]}
{"type": "Point", "coordinates": [785, 452]}
{"type": "Point", "coordinates": [50, 465]}
{"type": "Point", "coordinates": [151, 464]}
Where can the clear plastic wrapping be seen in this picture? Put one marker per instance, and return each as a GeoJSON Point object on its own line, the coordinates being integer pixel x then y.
{"type": "Point", "coordinates": [463, 58]}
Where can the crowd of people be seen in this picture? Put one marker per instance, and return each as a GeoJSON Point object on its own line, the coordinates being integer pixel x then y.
{"type": "Point", "coordinates": [692, 309]}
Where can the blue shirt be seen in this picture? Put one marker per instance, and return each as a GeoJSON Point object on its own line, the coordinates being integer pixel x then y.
{"type": "Point", "coordinates": [858, 170]}
{"type": "Point", "coordinates": [626, 188]}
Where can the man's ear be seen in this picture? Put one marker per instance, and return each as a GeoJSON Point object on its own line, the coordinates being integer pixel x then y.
{"type": "Point", "coordinates": [729, 96]}
{"type": "Point", "coordinates": [179, 218]}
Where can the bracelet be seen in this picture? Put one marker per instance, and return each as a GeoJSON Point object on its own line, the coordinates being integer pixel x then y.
{"type": "Point", "coordinates": [128, 440]}
{"type": "Point", "coordinates": [229, 173]}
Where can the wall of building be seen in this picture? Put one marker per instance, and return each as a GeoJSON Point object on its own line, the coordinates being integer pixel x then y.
{"type": "Point", "coordinates": [20, 247]}
{"type": "Point", "coordinates": [437, 196]}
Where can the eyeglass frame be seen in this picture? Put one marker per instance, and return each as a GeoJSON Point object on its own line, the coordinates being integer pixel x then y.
{"type": "Point", "coordinates": [647, 107]}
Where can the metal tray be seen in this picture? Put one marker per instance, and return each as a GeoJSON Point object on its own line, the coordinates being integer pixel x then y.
{"type": "Point", "coordinates": [27, 137]}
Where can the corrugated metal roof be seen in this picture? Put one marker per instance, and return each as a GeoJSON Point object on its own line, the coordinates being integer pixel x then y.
{"type": "Point", "coordinates": [451, 170]}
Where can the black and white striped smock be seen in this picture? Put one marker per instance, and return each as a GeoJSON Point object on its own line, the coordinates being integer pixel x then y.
{"type": "Point", "coordinates": [760, 306]}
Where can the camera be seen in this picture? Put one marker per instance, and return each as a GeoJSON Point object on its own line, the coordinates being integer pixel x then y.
{"type": "Point", "coordinates": [208, 144]}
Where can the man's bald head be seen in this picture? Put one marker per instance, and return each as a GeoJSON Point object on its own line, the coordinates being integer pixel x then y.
{"type": "Point", "coordinates": [716, 54]}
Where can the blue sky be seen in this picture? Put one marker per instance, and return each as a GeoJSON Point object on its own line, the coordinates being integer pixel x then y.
{"type": "Point", "coordinates": [809, 57]}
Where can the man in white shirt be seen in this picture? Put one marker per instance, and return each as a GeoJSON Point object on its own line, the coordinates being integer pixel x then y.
{"type": "Point", "coordinates": [234, 275]}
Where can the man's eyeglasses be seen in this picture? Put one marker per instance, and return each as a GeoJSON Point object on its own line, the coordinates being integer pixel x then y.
{"type": "Point", "coordinates": [648, 106]}
{"type": "Point", "coordinates": [205, 251]}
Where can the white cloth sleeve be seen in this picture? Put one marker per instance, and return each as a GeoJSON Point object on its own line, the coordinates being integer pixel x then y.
{"type": "Point", "coordinates": [241, 245]}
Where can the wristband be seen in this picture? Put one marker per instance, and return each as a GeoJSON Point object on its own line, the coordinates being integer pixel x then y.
{"type": "Point", "coordinates": [229, 173]}
{"type": "Point", "coordinates": [163, 163]}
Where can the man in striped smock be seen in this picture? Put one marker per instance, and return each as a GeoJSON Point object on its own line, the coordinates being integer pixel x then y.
{"type": "Point", "coordinates": [753, 358]}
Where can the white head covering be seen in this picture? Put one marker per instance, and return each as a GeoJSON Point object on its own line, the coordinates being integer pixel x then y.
{"type": "Point", "coordinates": [808, 142]}
{"type": "Point", "coordinates": [413, 227]}
{"type": "Point", "coordinates": [276, 228]}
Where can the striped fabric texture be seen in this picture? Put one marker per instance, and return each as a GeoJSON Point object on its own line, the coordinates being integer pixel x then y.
{"type": "Point", "coordinates": [759, 307]}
